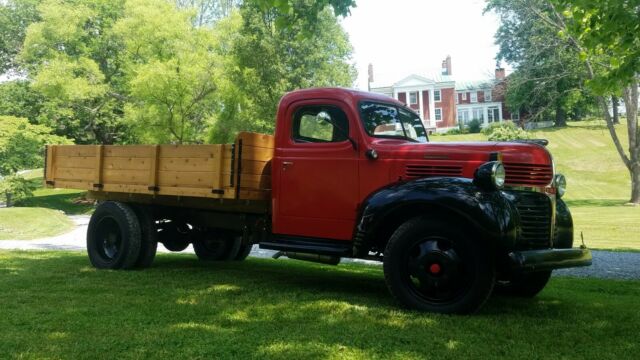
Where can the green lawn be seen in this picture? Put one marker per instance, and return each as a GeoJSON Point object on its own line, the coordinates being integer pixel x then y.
{"type": "Point", "coordinates": [54, 305]}
{"type": "Point", "coordinates": [32, 223]}
{"type": "Point", "coordinates": [598, 183]}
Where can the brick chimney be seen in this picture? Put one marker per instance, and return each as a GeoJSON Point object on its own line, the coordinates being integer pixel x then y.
{"type": "Point", "coordinates": [500, 74]}
{"type": "Point", "coordinates": [446, 66]}
{"type": "Point", "coordinates": [370, 69]}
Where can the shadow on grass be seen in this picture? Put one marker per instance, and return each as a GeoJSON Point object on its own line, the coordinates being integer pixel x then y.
{"type": "Point", "coordinates": [56, 305]}
{"type": "Point", "coordinates": [70, 203]}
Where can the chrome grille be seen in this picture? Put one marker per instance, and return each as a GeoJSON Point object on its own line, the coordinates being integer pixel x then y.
{"type": "Point", "coordinates": [535, 219]}
{"type": "Point", "coordinates": [528, 174]}
{"type": "Point", "coordinates": [414, 171]}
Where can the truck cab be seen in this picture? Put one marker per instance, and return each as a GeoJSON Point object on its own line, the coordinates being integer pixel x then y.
{"type": "Point", "coordinates": [347, 174]}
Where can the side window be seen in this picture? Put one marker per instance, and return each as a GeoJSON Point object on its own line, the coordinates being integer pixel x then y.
{"type": "Point", "coordinates": [320, 124]}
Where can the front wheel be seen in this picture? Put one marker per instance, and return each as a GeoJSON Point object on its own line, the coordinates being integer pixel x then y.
{"type": "Point", "coordinates": [216, 245]}
{"type": "Point", "coordinates": [432, 266]}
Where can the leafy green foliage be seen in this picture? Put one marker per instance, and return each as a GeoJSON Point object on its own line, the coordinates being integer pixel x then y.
{"type": "Point", "coordinates": [18, 99]}
{"type": "Point", "coordinates": [15, 188]}
{"type": "Point", "coordinates": [22, 144]}
{"type": "Point", "coordinates": [15, 16]}
{"type": "Point", "coordinates": [253, 86]}
{"type": "Point", "coordinates": [295, 12]}
{"type": "Point", "coordinates": [474, 126]}
{"type": "Point", "coordinates": [505, 131]}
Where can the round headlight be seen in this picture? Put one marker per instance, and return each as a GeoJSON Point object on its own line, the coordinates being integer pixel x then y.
{"type": "Point", "coordinates": [498, 175]}
{"type": "Point", "coordinates": [560, 183]}
{"type": "Point", "coordinates": [490, 175]}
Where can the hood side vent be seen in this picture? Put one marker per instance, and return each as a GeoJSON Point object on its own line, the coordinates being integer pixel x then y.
{"type": "Point", "coordinates": [415, 171]}
{"type": "Point", "coordinates": [528, 174]}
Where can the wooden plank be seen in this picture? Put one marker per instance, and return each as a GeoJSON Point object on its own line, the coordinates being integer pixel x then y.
{"type": "Point", "coordinates": [255, 182]}
{"type": "Point", "coordinates": [191, 151]}
{"type": "Point", "coordinates": [97, 172]}
{"type": "Point", "coordinates": [128, 151]}
{"type": "Point", "coordinates": [76, 150]}
{"type": "Point", "coordinates": [153, 169]}
{"type": "Point", "coordinates": [71, 174]}
{"type": "Point", "coordinates": [256, 139]}
{"type": "Point", "coordinates": [70, 184]}
{"type": "Point", "coordinates": [135, 177]}
{"type": "Point", "coordinates": [250, 167]}
{"type": "Point", "coordinates": [76, 162]}
{"type": "Point", "coordinates": [188, 164]}
{"type": "Point", "coordinates": [256, 153]}
{"type": "Point", "coordinates": [49, 164]}
{"type": "Point", "coordinates": [127, 163]}
{"type": "Point", "coordinates": [204, 179]}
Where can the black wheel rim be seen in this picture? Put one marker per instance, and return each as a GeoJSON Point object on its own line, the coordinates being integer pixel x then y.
{"type": "Point", "coordinates": [109, 238]}
{"type": "Point", "coordinates": [438, 270]}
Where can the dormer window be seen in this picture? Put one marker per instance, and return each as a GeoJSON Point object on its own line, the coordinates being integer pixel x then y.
{"type": "Point", "coordinates": [474, 96]}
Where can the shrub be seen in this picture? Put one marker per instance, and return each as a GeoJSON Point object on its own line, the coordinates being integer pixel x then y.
{"type": "Point", "coordinates": [505, 131]}
{"type": "Point", "coordinates": [474, 126]}
{"type": "Point", "coordinates": [14, 188]}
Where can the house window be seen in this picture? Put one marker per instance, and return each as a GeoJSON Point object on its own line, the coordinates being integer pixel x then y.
{"type": "Point", "coordinates": [477, 114]}
{"type": "Point", "coordinates": [437, 95]}
{"type": "Point", "coordinates": [487, 95]}
{"type": "Point", "coordinates": [474, 96]}
{"type": "Point", "coordinates": [413, 98]}
{"type": "Point", "coordinates": [464, 96]}
{"type": "Point", "coordinates": [438, 114]}
{"type": "Point", "coordinates": [463, 116]}
{"type": "Point", "coordinates": [494, 114]}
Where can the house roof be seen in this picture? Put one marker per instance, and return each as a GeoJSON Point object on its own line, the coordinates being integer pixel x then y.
{"type": "Point", "coordinates": [475, 85]}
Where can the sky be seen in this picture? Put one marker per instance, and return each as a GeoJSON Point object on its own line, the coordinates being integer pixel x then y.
{"type": "Point", "coordinates": [404, 37]}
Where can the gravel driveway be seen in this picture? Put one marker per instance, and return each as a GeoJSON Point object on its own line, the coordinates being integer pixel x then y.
{"type": "Point", "coordinates": [606, 264]}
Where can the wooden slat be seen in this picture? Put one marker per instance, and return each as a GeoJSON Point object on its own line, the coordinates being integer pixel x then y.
{"type": "Point", "coordinates": [256, 139]}
{"type": "Point", "coordinates": [254, 182]}
{"type": "Point", "coordinates": [188, 164]}
{"type": "Point", "coordinates": [128, 151]}
{"type": "Point", "coordinates": [153, 169]}
{"type": "Point", "coordinates": [191, 151]}
{"type": "Point", "coordinates": [138, 177]}
{"type": "Point", "coordinates": [127, 163]}
{"type": "Point", "coordinates": [69, 184]}
{"type": "Point", "coordinates": [71, 174]}
{"type": "Point", "coordinates": [97, 172]}
{"type": "Point", "coordinates": [203, 179]}
{"type": "Point", "coordinates": [76, 162]}
{"type": "Point", "coordinates": [249, 167]}
{"type": "Point", "coordinates": [76, 150]}
{"type": "Point", "coordinates": [256, 153]}
{"type": "Point", "coordinates": [49, 165]}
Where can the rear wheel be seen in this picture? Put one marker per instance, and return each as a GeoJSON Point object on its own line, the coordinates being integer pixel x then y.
{"type": "Point", "coordinates": [243, 252]}
{"type": "Point", "coordinates": [431, 266]}
{"type": "Point", "coordinates": [113, 236]}
{"type": "Point", "coordinates": [149, 240]}
{"type": "Point", "coordinates": [215, 245]}
{"type": "Point", "coordinates": [524, 285]}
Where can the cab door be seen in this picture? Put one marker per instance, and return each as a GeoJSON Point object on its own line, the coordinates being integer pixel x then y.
{"type": "Point", "coordinates": [317, 172]}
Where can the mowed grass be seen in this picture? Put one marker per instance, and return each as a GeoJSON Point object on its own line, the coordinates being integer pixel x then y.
{"type": "Point", "coordinates": [32, 223]}
{"type": "Point", "coordinates": [54, 305]}
{"type": "Point", "coordinates": [598, 182]}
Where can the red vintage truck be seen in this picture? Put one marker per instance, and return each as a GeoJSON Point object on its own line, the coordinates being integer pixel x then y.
{"type": "Point", "coordinates": [347, 174]}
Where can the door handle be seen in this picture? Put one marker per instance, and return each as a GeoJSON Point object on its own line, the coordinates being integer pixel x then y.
{"type": "Point", "coordinates": [286, 164]}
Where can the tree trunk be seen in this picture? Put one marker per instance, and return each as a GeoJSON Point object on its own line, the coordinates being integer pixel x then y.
{"type": "Point", "coordinates": [614, 104]}
{"type": "Point", "coordinates": [8, 196]}
{"type": "Point", "coordinates": [635, 185]}
{"type": "Point", "coordinates": [561, 117]}
{"type": "Point", "coordinates": [631, 104]}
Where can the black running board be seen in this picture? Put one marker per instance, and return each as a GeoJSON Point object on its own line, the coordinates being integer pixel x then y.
{"type": "Point", "coordinates": [307, 245]}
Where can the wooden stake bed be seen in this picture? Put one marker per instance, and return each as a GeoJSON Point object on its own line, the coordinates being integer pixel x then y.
{"type": "Point", "coordinates": [239, 171]}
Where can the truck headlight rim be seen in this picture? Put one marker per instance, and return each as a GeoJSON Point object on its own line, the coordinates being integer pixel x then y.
{"type": "Point", "coordinates": [560, 183]}
{"type": "Point", "coordinates": [490, 176]}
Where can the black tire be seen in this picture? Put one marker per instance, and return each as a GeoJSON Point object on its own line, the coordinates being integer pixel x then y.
{"type": "Point", "coordinates": [113, 236]}
{"type": "Point", "coordinates": [524, 285]}
{"type": "Point", "coordinates": [243, 252]}
{"type": "Point", "coordinates": [149, 241]}
{"type": "Point", "coordinates": [175, 236]}
{"type": "Point", "coordinates": [215, 245]}
{"type": "Point", "coordinates": [430, 265]}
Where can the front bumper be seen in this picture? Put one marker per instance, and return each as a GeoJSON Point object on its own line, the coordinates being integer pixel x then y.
{"type": "Point", "coordinates": [549, 259]}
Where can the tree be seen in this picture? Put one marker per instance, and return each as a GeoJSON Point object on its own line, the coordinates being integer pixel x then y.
{"type": "Point", "coordinates": [15, 16]}
{"type": "Point", "coordinates": [18, 99]}
{"type": "Point", "coordinates": [21, 147]}
{"type": "Point", "coordinates": [208, 12]}
{"type": "Point", "coordinates": [263, 61]}
{"type": "Point", "coordinates": [607, 36]}
{"type": "Point", "coordinates": [549, 78]}
{"type": "Point", "coordinates": [292, 12]}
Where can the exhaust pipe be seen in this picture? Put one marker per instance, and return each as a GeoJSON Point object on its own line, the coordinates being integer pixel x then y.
{"type": "Point", "coordinates": [323, 259]}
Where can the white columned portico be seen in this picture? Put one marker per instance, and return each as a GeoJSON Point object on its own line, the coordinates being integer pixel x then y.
{"type": "Point", "coordinates": [485, 111]}
{"type": "Point", "coordinates": [420, 105]}
{"type": "Point", "coordinates": [432, 109]}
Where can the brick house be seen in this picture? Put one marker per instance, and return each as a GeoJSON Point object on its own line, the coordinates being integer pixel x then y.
{"type": "Point", "coordinates": [443, 103]}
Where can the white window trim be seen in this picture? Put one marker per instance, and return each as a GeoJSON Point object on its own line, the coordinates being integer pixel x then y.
{"type": "Point", "coordinates": [435, 116]}
{"type": "Point", "coordinates": [464, 95]}
{"type": "Point", "coordinates": [471, 97]}
{"type": "Point", "coordinates": [439, 92]}
{"type": "Point", "coordinates": [409, 95]}
{"type": "Point", "coordinates": [488, 96]}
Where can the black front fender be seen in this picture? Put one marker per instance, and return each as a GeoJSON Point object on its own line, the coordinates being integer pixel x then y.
{"type": "Point", "coordinates": [457, 200]}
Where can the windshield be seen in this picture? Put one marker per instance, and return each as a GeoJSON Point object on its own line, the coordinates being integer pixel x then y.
{"type": "Point", "coordinates": [391, 121]}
